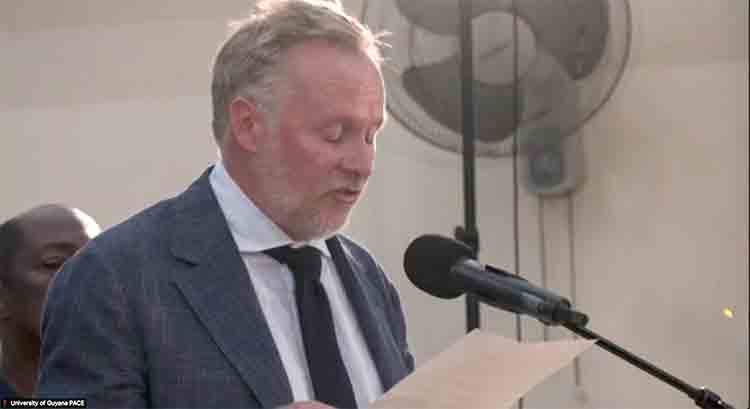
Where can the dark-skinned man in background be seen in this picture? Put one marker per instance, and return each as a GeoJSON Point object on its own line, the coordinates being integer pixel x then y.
{"type": "Point", "coordinates": [33, 247]}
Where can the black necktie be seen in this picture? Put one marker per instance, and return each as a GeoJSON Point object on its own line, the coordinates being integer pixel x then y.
{"type": "Point", "coordinates": [327, 371]}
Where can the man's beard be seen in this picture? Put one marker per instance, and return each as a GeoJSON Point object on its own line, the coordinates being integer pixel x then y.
{"type": "Point", "coordinates": [310, 219]}
{"type": "Point", "coordinates": [305, 218]}
{"type": "Point", "coordinates": [307, 224]}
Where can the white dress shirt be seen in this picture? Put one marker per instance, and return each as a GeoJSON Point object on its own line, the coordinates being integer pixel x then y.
{"type": "Point", "coordinates": [254, 232]}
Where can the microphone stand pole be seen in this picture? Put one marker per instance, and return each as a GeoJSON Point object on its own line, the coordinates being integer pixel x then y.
{"type": "Point", "coordinates": [469, 233]}
{"type": "Point", "coordinates": [702, 397]}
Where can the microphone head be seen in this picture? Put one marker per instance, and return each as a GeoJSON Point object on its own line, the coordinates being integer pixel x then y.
{"type": "Point", "coordinates": [428, 261]}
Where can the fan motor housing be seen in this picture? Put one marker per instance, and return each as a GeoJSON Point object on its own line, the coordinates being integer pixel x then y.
{"type": "Point", "coordinates": [553, 164]}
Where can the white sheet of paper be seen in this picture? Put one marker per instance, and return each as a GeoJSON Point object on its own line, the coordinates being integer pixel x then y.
{"type": "Point", "coordinates": [481, 371]}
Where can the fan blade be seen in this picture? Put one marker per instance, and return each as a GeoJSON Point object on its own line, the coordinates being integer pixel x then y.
{"type": "Point", "coordinates": [441, 16]}
{"type": "Point", "coordinates": [436, 88]}
{"type": "Point", "coordinates": [574, 31]}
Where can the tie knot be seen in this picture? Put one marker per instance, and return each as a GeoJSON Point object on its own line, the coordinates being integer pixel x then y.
{"type": "Point", "coordinates": [304, 262]}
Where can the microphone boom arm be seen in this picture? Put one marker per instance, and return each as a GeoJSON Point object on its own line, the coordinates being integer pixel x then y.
{"type": "Point", "coordinates": [702, 397]}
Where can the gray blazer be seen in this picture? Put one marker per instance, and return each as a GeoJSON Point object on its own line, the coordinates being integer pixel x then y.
{"type": "Point", "coordinates": [159, 311]}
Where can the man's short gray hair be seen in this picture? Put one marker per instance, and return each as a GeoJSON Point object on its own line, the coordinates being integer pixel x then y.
{"type": "Point", "coordinates": [248, 61]}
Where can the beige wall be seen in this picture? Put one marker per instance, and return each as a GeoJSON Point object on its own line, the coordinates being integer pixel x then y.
{"type": "Point", "coordinates": [104, 105]}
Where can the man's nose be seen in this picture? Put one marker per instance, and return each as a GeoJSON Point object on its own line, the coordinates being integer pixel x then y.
{"type": "Point", "coordinates": [359, 159]}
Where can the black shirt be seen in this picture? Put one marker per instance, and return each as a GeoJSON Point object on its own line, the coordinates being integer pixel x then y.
{"type": "Point", "coordinates": [6, 391]}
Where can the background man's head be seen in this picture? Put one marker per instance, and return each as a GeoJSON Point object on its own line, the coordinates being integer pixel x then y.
{"type": "Point", "coordinates": [33, 247]}
{"type": "Point", "coordinates": [298, 98]}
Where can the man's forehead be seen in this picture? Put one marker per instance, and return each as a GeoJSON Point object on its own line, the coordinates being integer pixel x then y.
{"type": "Point", "coordinates": [335, 80]}
{"type": "Point", "coordinates": [48, 223]}
{"type": "Point", "coordinates": [325, 62]}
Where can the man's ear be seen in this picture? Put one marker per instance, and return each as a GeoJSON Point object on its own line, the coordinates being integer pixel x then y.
{"type": "Point", "coordinates": [247, 123]}
{"type": "Point", "coordinates": [4, 313]}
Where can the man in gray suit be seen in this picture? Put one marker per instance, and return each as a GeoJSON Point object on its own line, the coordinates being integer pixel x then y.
{"type": "Point", "coordinates": [206, 299]}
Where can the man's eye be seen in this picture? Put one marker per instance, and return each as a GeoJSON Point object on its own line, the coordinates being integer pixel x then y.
{"type": "Point", "coordinates": [53, 264]}
{"type": "Point", "coordinates": [333, 133]}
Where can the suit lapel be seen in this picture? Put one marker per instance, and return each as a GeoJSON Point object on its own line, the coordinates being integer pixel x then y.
{"type": "Point", "coordinates": [217, 286]}
{"type": "Point", "coordinates": [371, 315]}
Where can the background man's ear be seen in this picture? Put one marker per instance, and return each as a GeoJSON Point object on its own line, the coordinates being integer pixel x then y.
{"type": "Point", "coordinates": [4, 313]}
{"type": "Point", "coordinates": [247, 123]}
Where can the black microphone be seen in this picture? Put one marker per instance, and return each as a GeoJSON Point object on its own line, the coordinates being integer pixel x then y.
{"type": "Point", "coordinates": [447, 268]}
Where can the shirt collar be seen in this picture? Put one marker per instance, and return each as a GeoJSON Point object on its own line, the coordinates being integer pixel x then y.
{"type": "Point", "coordinates": [251, 229]}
